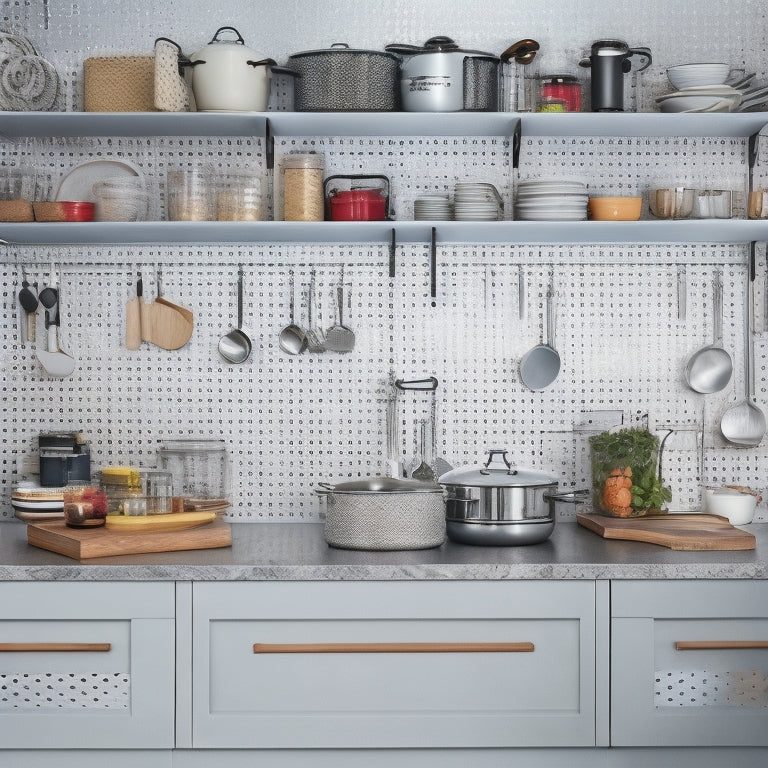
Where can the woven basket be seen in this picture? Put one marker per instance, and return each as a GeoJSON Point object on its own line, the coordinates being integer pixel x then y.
{"type": "Point", "coordinates": [119, 84]}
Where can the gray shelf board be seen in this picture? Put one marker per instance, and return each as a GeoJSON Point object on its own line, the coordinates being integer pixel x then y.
{"type": "Point", "coordinates": [393, 123]}
{"type": "Point", "coordinates": [739, 124]}
{"type": "Point", "coordinates": [506, 232]}
{"type": "Point", "coordinates": [16, 125]}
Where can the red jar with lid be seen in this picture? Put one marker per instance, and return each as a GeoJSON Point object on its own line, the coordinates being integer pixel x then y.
{"type": "Point", "coordinates": [566, 88]}
{"type": "Point", "coordinates": [360, 203]}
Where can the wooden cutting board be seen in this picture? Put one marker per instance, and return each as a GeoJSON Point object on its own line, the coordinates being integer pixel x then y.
{"type": "Point", "coordinates": [676, 531]}
{"type": "Point", "coordinates": [85, 543]}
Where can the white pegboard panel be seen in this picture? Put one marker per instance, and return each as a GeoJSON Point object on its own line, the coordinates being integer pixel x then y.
{"type": "Point", "coordinates": [290, 422]}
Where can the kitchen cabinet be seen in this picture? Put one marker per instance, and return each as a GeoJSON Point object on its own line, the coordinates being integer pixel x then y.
{"type": "Point", "coordinates": [268, 126]}
{"type": "Point", "coordinates": [393, 665]}
{"type": "Point", "coordinates": [87, 665]}
{"type": "Point", "coordinates": [689, 663]}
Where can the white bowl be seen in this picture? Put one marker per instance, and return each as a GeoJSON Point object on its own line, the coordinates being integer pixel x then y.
{"type": "Point", "coordinates": [695, 102]}
{"type": "Point", "coordinates": [705, 73]}
{"type": "Point", "coordinates": [737, 506]}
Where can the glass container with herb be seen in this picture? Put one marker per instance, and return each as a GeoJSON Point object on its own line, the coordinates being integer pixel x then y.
{"type": "Point", "coordinates": [625, 479]}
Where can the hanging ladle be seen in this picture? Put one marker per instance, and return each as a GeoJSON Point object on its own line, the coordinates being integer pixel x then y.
{"type": "Point", "coordinates": [292, 338]}
{"type": "Point", "coordinates": [743, 424]}
{"type": "Point", "coordinates": [236, 346]}
{"type": "Point", "coordinates": [540, 366]}
{"type": "Point", "coordinates": [709, 369]}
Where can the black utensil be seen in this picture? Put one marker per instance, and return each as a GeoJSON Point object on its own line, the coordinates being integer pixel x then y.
{"type": "Point", "coordinates": [29, 303]}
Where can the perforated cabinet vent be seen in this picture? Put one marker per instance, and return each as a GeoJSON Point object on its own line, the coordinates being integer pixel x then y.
{"type": "Point", "coordinates": [56, 691]}
{"type": "Point", "coordinates": [710, 688]}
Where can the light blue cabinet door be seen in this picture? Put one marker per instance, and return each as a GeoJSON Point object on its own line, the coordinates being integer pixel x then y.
{"type": "Point", "coordinates": [280, 665]}
{"type": "Point", "coordinates": [689, 663]}
{"type": "Point", "coordinates": [87, 665]}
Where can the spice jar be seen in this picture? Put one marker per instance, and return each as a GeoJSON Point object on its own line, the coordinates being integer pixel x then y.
{"type": "Point", "coordinates": [564, 88]}
{"type": "Point", "coordinates": [84, 506]}
{"type": "Point", "coordinates": [303, 187]}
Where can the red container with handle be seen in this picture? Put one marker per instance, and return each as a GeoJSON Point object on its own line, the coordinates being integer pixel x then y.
{"type": "Point", "coordinates": [361, 201]}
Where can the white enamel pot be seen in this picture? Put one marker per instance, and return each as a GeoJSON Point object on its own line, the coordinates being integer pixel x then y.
{"type": "Point", "coordinates": [227, 76]}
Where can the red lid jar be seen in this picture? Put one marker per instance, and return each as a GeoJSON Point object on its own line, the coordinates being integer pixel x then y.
{"type": "Point", "coordinates": [566, 88]}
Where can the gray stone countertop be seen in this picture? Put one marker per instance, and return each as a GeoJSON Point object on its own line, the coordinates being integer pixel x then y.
{"type": "Point", "coordinates": [298, 552]}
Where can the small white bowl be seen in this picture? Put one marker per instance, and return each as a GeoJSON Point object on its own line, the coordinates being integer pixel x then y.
{"type": "Point", "coordinates": [704, 73]}
{"type": "Point", "coordinates": [737, 506]}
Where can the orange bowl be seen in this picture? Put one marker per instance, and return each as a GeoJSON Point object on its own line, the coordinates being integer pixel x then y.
{"type": "Point", "coordinates": [614, 208]}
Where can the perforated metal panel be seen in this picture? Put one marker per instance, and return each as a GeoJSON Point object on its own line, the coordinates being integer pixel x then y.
{"type": "Point", "coordinates": [622, 330]}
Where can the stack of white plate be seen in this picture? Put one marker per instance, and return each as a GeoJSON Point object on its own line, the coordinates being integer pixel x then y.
{"type": "Point", "coordinates": [701, 98]}
{"type": "Point", "coordinates": [34, 503]}
{"type": "Point", "coordinates": [551, 200]}
{"type": "Point", "coordinates": [432, 208]}
{"type": "Point", "coordinates": [476, 201]}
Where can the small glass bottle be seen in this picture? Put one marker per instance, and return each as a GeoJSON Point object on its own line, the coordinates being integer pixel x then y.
{"type": "Point", "coordinates": [303, 187]}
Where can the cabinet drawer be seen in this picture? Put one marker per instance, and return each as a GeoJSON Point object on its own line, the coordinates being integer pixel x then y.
{"type": "Point", "coordinates": [393, 665]}
{"type": "Point", "coordinates": [87, 665]}
{"type": "Point", "coordinates": [689, 664]}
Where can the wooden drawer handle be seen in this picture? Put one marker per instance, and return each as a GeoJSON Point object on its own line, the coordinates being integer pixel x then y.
{"type": "Point", "coordinates": [55, 647]}
{"type": "Point", "coordinates": [392, 647]}
{"type": "Point", "coordinates": [718, 645]}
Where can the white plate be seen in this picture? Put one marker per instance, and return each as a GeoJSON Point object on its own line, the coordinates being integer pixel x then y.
{"type": "Point", "coordinates": [78, 183]}
{"type": "Point", "coordinates": [553, 216]}
{"type": "Point", "coordinates": [40, 506]}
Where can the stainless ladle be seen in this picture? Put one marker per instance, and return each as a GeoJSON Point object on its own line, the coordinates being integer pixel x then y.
{"type": "Point", "coordinates": [709, 369]}
{"type": "Point", "coordinates": [540, 366]}
{"type": "Point", "coordinates": [292, 338]}
{"type": "Point", "coordinates": [236, 346]}
{"type": "Point", "coordinates": [743, 424]}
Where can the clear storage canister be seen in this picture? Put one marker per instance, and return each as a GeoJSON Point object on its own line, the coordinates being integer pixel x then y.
{"type": "Point", "coordinates": [303, 187]}
{"type": "Point", "coordinates": [200, 468]}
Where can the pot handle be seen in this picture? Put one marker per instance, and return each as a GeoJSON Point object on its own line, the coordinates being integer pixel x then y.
{"type": "Point", "coordinates": [324, 489]}
{"type": "Point", "coordinates": [215, 38]}
{"type": "Point", "coordinates": [419, 385]}
{"type": "Point", "coordinates": [403, 49]}
{"type": "Point", "coordinates": [262, 63]}
{"type": "Point", "coordinates": [573, 497]}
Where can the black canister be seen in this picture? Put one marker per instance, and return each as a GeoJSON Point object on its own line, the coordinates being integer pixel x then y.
{"type": "Point", "coordinates": [609, 61]}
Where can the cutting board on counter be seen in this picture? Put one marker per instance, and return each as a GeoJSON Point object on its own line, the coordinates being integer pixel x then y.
{"type": "Point", "coordinates": [85, 543]}
{"type": "Point", "coordinates": [676, 531]}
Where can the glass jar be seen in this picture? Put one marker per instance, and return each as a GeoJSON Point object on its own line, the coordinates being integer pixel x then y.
{"type": "Point", "coordinates": [85, 506]}
{"type": "Point", "coordinates": [561, 88]}
{"type": "Point", "coordinates": [625, 477]}
{"type": "Point", "coordinates": [302, 177]}
{"type": "Point", "coordinates": [119, 484]}
{"type": "Point", "coordinates": [239, 198]}
{"type": "Point", "coordinates": [200, 468]}
{"type": "Point", "coordinates": [188, 194]}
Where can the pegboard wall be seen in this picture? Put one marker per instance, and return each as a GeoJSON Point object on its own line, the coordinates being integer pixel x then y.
{"type": "Point", "coordinates": [627, 316]}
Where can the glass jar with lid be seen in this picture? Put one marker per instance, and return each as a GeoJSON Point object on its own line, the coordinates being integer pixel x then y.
{"type": "Point", "coordinates": [199, 468]}
{"type": "Point", "coordinates": [561, 88]}
{"type": "Point", "coordinates": [302, 183]}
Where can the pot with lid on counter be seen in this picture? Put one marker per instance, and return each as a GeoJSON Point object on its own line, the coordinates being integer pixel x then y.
{"type": "Point", "coordinates": [497, 504]}
{"type": "Point", "coordinates": [384, 513]}
{"type": "Point", "coordinates": [441, 77]}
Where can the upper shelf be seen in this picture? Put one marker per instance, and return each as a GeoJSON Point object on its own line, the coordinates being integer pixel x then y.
{"type": "Point", "coordinates": [494, 232]}
{"type": "Point", "coordinates": [16, 125]}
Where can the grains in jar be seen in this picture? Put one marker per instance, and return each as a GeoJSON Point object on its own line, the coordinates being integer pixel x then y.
{"type": "Point", "coordinates": [303, 187]}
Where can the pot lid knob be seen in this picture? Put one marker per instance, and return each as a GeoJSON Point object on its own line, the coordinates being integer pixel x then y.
{"type": "Point", "coordinates": [504, 465]}
{"type": "Point", "coordinates": [441, 43]}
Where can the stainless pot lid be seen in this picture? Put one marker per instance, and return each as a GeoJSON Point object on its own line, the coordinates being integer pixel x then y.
{"type": "Point", "coordinates": [340, 49]}
{"type": "Point", "coordinates": [438, 44]}
{"type": "Point", "coordinates": [496, 472]}
{"type": "Point", "coordinates": [381, 485]}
